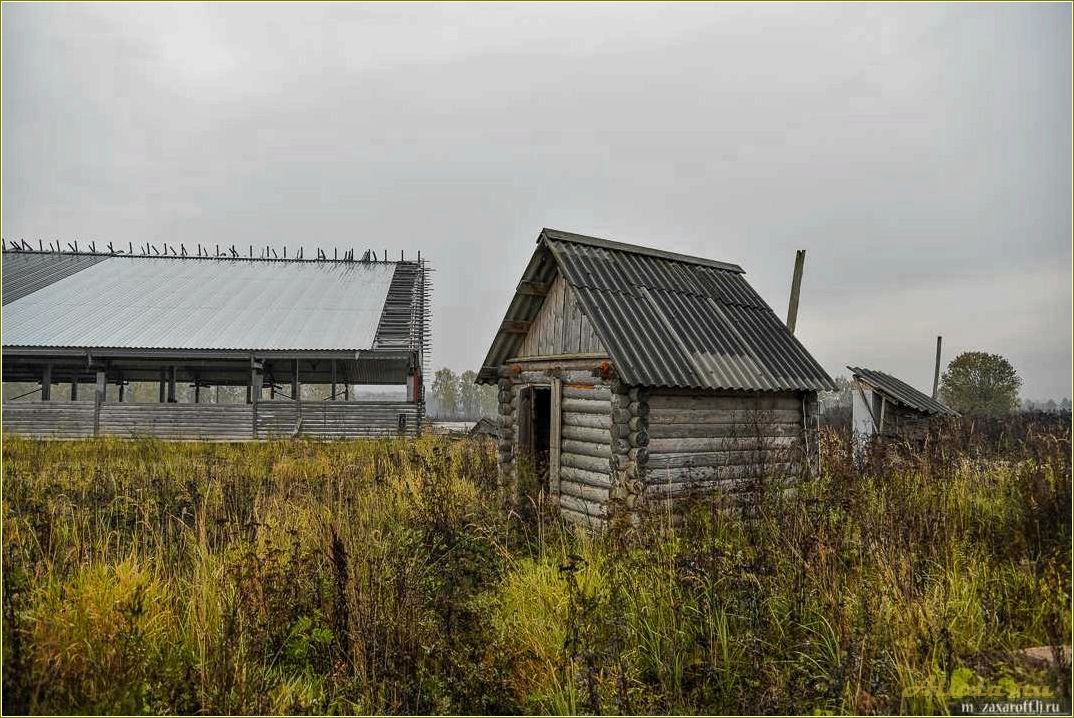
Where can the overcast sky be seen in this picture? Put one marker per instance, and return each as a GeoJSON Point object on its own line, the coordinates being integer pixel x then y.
{"type": "Point", "coordinates": [920, 153]}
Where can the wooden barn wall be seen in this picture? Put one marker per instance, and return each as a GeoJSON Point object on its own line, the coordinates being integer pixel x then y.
{"type": "Point", "coordinates": [177, 421]}
{"type": "Point", "coordinates": [701, 442]}
{"type": "Point", "coordinates": [560, 326]}
{"type": "Point", "coordinates": [335, 419]}
{"type": "Point", "coordinates": [274, 419]}
{"type": "Point", "coordinates": [44, 419]}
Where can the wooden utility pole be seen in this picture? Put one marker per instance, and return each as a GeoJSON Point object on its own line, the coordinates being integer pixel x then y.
{"type": "Point", "coordinates": [936, 373]}
{"type": "Point", "coordinates": [796, 288]}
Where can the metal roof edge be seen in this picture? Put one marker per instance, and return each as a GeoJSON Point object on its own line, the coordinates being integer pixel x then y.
{"type": "Point", "coordinates": [558, 235]}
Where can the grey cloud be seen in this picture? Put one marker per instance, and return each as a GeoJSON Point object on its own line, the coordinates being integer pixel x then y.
{"type": "Point", "coordinates": [921, 154]}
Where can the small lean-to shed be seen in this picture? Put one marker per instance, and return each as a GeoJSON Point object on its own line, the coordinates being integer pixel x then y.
{"type": "Point", "coordinates": [632, 377]}
{"type": "Point", "coordinates": [885, 406]}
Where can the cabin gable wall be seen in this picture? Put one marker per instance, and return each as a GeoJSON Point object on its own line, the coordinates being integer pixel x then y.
{"type": "Point", "coordinates": [560, 327]}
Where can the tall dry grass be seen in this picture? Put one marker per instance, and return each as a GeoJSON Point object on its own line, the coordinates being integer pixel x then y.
{"type": "Point", "coordinates": [383, 577]}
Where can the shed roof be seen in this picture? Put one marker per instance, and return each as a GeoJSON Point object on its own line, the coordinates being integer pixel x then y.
{"type": "Point", "coordinates": [123, 302]}
{"type": "Point", "coordinates": [902, 393]}
{"type": "Point", "coordinates": [666, 319]}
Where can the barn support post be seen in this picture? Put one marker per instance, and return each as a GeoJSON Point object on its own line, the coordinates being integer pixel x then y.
{"type": "Point", "coordinates": [172, 371]}
{"type": "Point", "coordinates": [296, 385]}
{"type": "Point", "coordinates": [162, 395]}
{"type": "Point", "coordinates": [46, 382]}
{"type": "Point", "coordinates": [333, 397]}
{"type": "Point", "coordinates": [121, 388]}
{"type": "Point", "coordinates": [197, 391]}
{"type": "Point", "coordinates": [74, 387]}
{"type": "Point", "coordinates": [98, 399]}
{"type": "Point", "coordinates": [253, 392]}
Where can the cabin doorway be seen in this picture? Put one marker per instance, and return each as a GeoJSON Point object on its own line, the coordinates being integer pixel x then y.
{"type": "Point", "coordinates": [535, 432]}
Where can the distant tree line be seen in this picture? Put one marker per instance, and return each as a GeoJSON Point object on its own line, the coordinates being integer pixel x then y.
{"type": "Point", "coordinates": [458, 396]}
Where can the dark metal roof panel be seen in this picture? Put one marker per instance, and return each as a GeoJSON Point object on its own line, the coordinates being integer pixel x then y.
{"type": "Point", "coordinates": [901, 392]}
{"type": "Point", "coordinates": [26, 272]}
{"type": "Point", "coordinates": [677, 324]}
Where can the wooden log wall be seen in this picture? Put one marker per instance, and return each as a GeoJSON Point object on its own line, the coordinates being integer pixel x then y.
{"type": "Point", "coordinates": [702, 442]}
{"type": "Point", "coordinates": [585, 474]}
{"type": "Point", "coordinates": [220, 422]}
{"type": "Point", "coordinates": [47, 419]}
{"type": "Point", "coordinates": [177, 421]}
{"type": "Point", "coordinates": [585, 456]}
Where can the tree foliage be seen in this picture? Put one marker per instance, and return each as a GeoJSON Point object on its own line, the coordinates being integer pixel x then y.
{"type": "Point", "coordinates": [981, 383]}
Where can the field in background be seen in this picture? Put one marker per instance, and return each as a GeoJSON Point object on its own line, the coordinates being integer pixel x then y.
{"type": "Point", "coordinates": [383, 577]}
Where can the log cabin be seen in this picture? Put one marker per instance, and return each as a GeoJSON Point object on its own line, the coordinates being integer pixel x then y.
{"type": "Point", "coordinates": [631, 378]}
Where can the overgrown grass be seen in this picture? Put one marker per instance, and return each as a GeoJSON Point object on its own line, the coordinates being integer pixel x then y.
{"type": "Point", "coordinates": [384, 577]}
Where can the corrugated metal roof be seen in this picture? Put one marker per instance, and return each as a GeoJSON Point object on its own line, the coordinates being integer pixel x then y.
{"type": "Point", "coordinates": [669, 320]}
{"type": "Point", "coordinates": [900, 392]}
{"type": "Point", "coordinates": [25, 272]}
{"type": "Point", "coordinates": [159, 303]}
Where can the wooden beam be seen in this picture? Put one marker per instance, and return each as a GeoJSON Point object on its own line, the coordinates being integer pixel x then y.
{"type": "Point", "coordinates": [333, 380]}
{"type": "Point", "coordinates": [796, 288]}
{"type": "Point", "coordinates": [533, 288]}
{"type": "Point", "coordinates": [46, 382]}
{"type": "Point", "coordinates": [296, 385]}
{"type": "Point", "coordinates": [172, 397]}
{"type": "Point", "coordinates": [515, 326]}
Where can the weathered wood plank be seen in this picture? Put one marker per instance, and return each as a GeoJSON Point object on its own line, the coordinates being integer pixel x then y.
{"type": "Point", "coordinates": [700, 431]}
{"type": "Point", "coordinates": [593, 435]}
{"type": "Point", "coordinates": [597, 421]}
{"type": "Point", "coordinates": [718, 473]}
{"type": "Point", "coordinates": [586, 448]}
{"type": "Point", "coordinates": [595, 494]}
{"type": "Point", "coordinates": [582, 476]}
{"type": "Point", "coordinates": [681, 445]}
{"type": "Point", "coordinates": [586, 406]}
{"type": "Point", "coordinates": [590, 508]}
{"type": "Point", "coordinates": [758, 402]}
{"type": "Point", "coordinates": [722, 458]}
{"type": "Point", "coordinates": [725, 416]}
{"type": "Point", "coordinates": [589, 463]}
{"type": "Point", "coordinates": [595, 392]}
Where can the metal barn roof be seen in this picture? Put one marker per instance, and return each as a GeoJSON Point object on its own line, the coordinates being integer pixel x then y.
{"type": "Point", "coordinates": [666, 319]}
{"type": "Point", "coordinates": [193, 303]}
{"type": "Point", "coordinates": [902, 393]}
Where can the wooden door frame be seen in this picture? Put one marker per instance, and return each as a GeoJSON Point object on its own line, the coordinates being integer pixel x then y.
{"type": "Point", "coordinates": [555, 427]}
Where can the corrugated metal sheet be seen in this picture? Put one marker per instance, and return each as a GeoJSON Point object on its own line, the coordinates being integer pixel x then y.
{"type": "Point", "coordinates": [669, 320]}
{"type": "Point", "coordinates": [158, 303]}
{"type": "Point", "coordinates": [899, 391]}
{"type": "Point", "coordinates": [26, 272]}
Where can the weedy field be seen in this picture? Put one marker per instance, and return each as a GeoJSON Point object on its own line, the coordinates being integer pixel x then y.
{"type": "Point", "coordinates": [384, 577]}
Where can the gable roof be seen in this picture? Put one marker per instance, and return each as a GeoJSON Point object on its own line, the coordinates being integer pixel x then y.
{"type": "Point", "coordinates": [125, 302]}
{"type": "Point", "coordinates": [666, 319]}
{"type": "Point", "coordinates": [902, 393]}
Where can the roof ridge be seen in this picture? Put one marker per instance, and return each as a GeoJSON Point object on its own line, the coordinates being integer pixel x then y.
{"type": "Point", "coordinates": [558, 235]}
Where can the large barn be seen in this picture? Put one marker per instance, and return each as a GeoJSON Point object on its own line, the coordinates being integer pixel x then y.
{"type": "Point", "coordinates": [633, 377]}
{"type": "Point", "coordinates": [84, 326]}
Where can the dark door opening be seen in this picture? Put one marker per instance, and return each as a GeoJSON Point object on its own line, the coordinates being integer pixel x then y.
{"type": "Point", "coordinates": [535, 430]}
